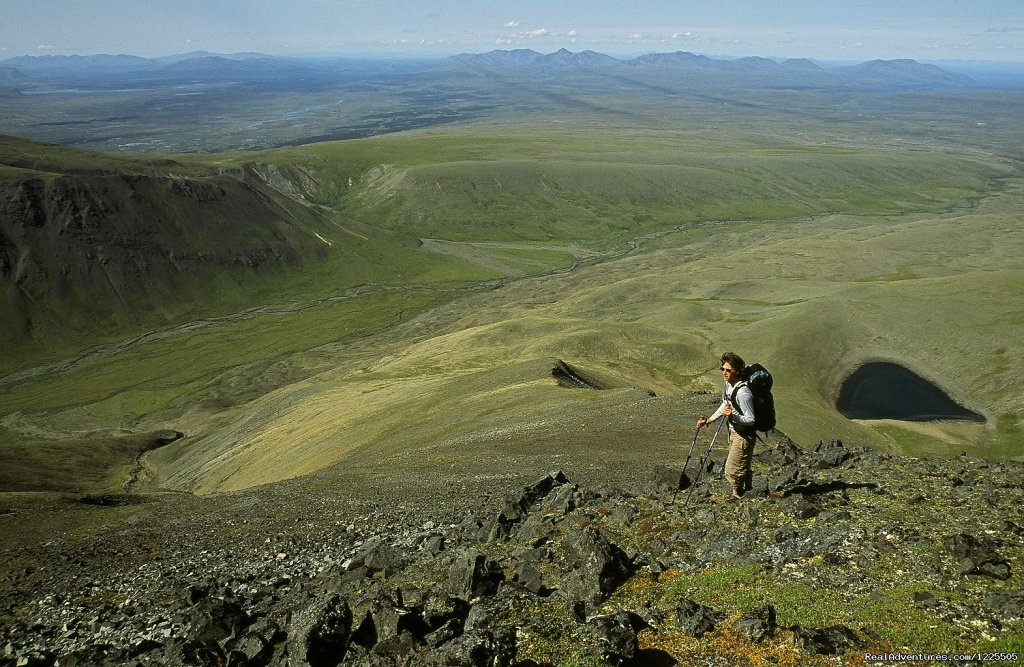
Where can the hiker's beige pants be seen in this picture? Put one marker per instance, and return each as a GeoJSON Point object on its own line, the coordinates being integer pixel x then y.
{"type": "Point", "coordinates": [737, 464]}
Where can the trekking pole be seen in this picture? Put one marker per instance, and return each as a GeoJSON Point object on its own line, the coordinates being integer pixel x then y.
{"type": "Point", "coordinates": [705, 459]}
{"type": "Point", "coordinates": [688, 455]}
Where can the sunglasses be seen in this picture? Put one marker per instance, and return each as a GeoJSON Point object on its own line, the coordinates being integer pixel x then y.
{"type": "Point", "coordinates": [727, 370]}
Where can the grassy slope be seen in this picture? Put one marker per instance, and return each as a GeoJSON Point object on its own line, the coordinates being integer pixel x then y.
{"type": "Point", "coordinates": [605, 184]}
{"type": "Point", "coordinates": [837, 292]}
{"type": "Point", "coordinates": [810, 297]}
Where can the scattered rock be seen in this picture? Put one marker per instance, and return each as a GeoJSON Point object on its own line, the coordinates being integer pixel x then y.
{"type": "Point", "coordinates": [593, 568]}
{"type": "Point", "coordinates": [669, 478]}
{"type": "Point", "coordinates": [1009, 605]}
{"type": "Point", "coordinates": [695, 619]}
{"type": "Point", "coordinates": [389, 587]}
{"type": "Point", "coordinates": [827, 641]}
{"type": "Point", "coordinates": [977, 556]}
{"type": "Point", "coordinates": [614, 636]}
{"type": "Point", "coordinates": [474, 575]}
{"type": "Point", "coordinates": [320, 632]}
{"type": "Point", "coordinates": [757, 624]}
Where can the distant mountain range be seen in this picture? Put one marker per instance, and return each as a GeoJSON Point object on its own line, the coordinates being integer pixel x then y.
{"type": "Point", "coordinates": [885, 73]}
{"type": "Point", "coordinates": [882, 72]}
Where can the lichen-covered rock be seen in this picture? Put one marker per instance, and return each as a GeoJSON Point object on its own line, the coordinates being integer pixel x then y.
{"type": "Point", "coordinates": [757, 624]}
{"type": "Point", "coordinates": [827, 641]}
{"type": "Point", "coordinates": [473, 575]}
{"type": "Point", "coordinates": [319, 633]}
{"type": "Point", "coordinates": [593, 567]}
{"type": "Point", "coordinates": [695, 619]}
{"type": "Point", "coordinates": [612, 637]}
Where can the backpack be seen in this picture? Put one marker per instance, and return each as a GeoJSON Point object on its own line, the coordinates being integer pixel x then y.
{"type": "Point", "coordinates": [760, 381]}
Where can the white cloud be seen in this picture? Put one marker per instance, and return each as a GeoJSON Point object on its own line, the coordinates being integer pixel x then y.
{"type": "Point", "coordinates": [45, 47]}
{"type": "Point", "coordinates": [510, 24]}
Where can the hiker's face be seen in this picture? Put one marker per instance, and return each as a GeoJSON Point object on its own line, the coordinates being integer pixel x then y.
{"type": "Point", "coordinates": [729, 373]}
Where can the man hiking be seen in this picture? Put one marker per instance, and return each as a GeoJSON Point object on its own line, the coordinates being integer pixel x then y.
{"type": "Point", "coordinates": [738, 408]}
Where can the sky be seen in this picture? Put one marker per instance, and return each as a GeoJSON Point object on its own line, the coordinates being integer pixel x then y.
{"type": "Point", "coordinates": [836, 30]}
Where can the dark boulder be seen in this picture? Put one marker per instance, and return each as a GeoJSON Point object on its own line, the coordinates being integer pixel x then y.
{"type": "Point", "coordinates": [669, 478]}
{"type": "Point", "coordinates": [564, 499]}
{"type": "Point", "coordinates": [757, 624]}
{"type": "Point", "coordinates": [613, 636]}
{"type": "Point", "coordinates": [977, 557]}
{"type": "Point", "coordinates": [530, 578]}
{"type": "Point", "coordinates": [474, 575]}
{"type": "Point", "coordinates": [216, 620]}
{"type": "Point", "coordinates": [443, 616]}
{"type": "Point", "coordinates": [1008, 604]}
{"type": "Point", "coordinates": [832, 640]}
{"type": "Point", "coordinates": [695, 619]}
{"type": "Point", "coordinates": [832, 454]}
{"type": "Point", "coordinates": [518, 507]}
{"type": "Point", "coordinates": [594, 568]}
{"type": "Point", "coordinates": [256, 645]}
{"type": "Point", "coordinates": [784, 454]}
{"type": "Point", "coordinates": [480, 648]}
{"type": "Point", "coordinates": [379, 557]}
{"type": "Point", "coordinates": [783, 481]}
{"type": "Point", "coordinates": [319, 633]}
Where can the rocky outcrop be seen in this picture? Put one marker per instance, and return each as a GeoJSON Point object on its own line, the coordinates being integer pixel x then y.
{"type": "Point", "coordinates": [84, 247]}
{"type": "Point", "coordinates": [832, 545]}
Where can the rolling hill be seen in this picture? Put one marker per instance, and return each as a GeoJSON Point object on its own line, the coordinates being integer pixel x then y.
{"type": "Point", "coordinates": [396, 278]}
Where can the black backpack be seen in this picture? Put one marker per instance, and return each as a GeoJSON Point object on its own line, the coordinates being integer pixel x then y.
{"type": "Point", "coordinates": [760, 381]}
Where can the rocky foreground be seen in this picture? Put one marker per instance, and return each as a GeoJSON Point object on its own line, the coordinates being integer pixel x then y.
{"type": "Point", "coordinates": [839, 556]}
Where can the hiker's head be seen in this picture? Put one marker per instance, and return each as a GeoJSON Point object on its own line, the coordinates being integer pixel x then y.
{"type": "Point", "coordinates": [732, 366]}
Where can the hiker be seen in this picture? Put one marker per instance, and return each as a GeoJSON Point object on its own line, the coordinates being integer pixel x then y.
{"type": "Point", "coordinates": [742, 434]}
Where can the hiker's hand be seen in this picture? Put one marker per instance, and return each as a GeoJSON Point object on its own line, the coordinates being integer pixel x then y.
{"type": "Point", "coordinates": [701, 422]}
{"type": "Point", "coordinates": [727, 410]}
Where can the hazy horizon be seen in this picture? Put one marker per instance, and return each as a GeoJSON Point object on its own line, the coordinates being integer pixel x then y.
{"type": "Point", "coordinates": [822, 30]}
{"type": "Point", "coordinates": [411, 56]}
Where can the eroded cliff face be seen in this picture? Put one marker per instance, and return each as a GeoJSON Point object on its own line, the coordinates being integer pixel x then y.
{"type": "Point", "coordinates": [99, 250]}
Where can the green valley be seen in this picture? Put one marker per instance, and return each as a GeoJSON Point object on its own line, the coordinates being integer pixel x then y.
{"type": "Point", "coordinates": [641, 252]}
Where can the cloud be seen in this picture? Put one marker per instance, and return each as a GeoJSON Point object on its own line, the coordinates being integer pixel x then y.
{"type": "Point", "coordinates": [510, 24]}
{"type": "Point", "coordinates": [45, 47]}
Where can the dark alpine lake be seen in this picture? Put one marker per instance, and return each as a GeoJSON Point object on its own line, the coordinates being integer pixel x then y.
{"type": "Point", "coordinates": [882, 390]}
